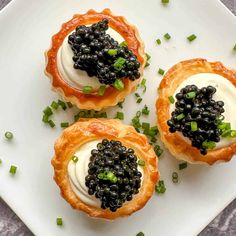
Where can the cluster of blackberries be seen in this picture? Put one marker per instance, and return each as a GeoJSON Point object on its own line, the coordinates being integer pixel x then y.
{"type": "Point", "coordinates": [112, 157]}
{"type": "Point", "coordinates": [97, 53]}
{"type": "Point", "coordinates": [197, 116]}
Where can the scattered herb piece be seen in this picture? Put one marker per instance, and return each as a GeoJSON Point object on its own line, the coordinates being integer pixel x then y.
{"type": "Point", "coordinates": [64, 124]}
{"type": "Point", "coordinates": [75, 159]}
{"type": "Point", "coordinates": [161, 71]}
{"type": "Point", "coordinates": [51, 123]}
{"type": "Point", "coordinates": [107, 175]}
{"type": "Point", "coordinates": [124, 44]}
{"type": "Point", "coordinates": [148, 56]}
{"type": "Point", "coordinates": [48, 111]}
{"type": "Point", "coordinates": [45, 118]}
{"type": "Point", "coordinates": [140, 234]}
{"type": "Point", "coordinates": [112, 52]}
{"type": "Point", "coordinates": [119, 63]}
{"type": "Point", "coordinates": [234, 48]}
{"type": "Point", "coordinates": [141, 162]}
{"type": "Point", "coordinates": [9, 135]}
{"type": "Point", "coordinates": [54, 105]}
{"type": "Point", "coordinates": [147, 64]}
{"type": "Point", "coordinates": [143, 85]}
{"type": "Point", "coordinates": [171, 99]}
{"type": "Point", "coordinates": [13, 169]}
{"type": "Point", "coordinates": [59, 221]}
{"type": "Point", "coordinates": [119, 85]}
{"type": "Point", "coordinates": [119, 115]}
{"type": "Point", "coordinates": [69, 104]}
{"type": "Point", "coordinates": [180, 116]}
{"type": "Point", "coordinates": [158, 150]}
{"type": "Point", "coordinates": [209, 144]}
{"type": "Point", "coordinates": [0, 161]}
{"type": "Point", "coordinates": [191, 37]}
{"type": "Point", "coordinates": [191, 95]}
{"type": "Point", "coordinates": [158, 41]}
{"type": "Point", "coordinates": [167, 36]}
{"type": "Point", "coordinates": [194, 126]}
{"type": "Point", "coordinates": [101, 90]}
{"type": "Point", "coordinates": [160, 188]}
{"type": "Point", "coordinates": [62, 104]}
{"type": "Point", "coordinates": [183, 165]}
{"type": "Point", "coordinates": [87, 89]}
{"type": "Point", "coordinates": [165, 1]}
{"type": "Point", "coordinates": [175, 177]}
{"type": "Point", "coordinates": [145, 110]}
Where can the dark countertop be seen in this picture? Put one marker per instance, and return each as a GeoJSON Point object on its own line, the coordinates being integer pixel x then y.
{"type": "Point", "coordinates": [223, 225]}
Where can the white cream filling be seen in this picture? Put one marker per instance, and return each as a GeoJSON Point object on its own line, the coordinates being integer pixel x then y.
{"type": "Point", "coordinates": [75, 77]}
{"type": "Point", "coordinates": [79, 170]}
{"type": "Point", "coordinates": [226, 92]}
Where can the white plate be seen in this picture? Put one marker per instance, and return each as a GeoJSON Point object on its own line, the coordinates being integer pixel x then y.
{"type": "Point", "coordinates": [26, 27]}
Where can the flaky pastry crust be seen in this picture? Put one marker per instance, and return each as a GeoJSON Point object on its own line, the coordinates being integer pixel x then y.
{"type": "Point", "coordinates": [112, 96]}
{"type": "Point", "coordinates": [87, 130]}
{"type": "Point", "coordinates": [173, 141]}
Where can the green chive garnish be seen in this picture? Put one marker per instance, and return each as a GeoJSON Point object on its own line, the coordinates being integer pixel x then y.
{"type": "Point", "coordinates": [180, 116]}
{"type": "Point", "coordinates": [160, 188]}
{"type": "Point", "coordinates": [148, 56]}
{"type": "Point", "coordinates": [158, 150]}
{"type": "Point", "coordinates": [171, 99]}
{"type": "Point", "coordinates": [209, 144]}
{"type": "Point", "coordinates": [158, 41]}
{"type": "Point", "coordinates": [62, 104]}
{"type": "Point", "coordinates": [9, 135]}
{"type": "Point", "coordinates": [107, 175]}
{"type": "Point", "coordinates": [112, 52]}
{"type": "Point", "coordinates": [87, 89]}
{"type": "Point", "coordinates": [194, 126]}
{"type": "Point", "coordinates": [140, 234]}
{"type": "Point", "coordinates": [51, 123]}
{"type": "Point", "coordinates": [191, 95]}
{"type": "Point", "coordinates": [120, 104]}
{"type": "Point", "coordinates": [120, 115]}
{"type": "Point", "coordinates": [161, 71]}
{"type": "Point", "coordinates": [145, 126]}
{"type": "Point", "coordinates": [175, 177]}
{"type": "Point", "coordinates": [119, 63]}
{"type": "Point", "coordinates": [54, 105]}
{"type": "Point", "coordinates": [143, 85]}
{"type": "Point", "coordinates": [48, 111]}
{"type": "Point", "coordinates": [74, 159]}
{"type": "Point", "coordinates": [145, 110]}
{"type": "Point", "coordinates": [147, 64]}
{"type": "Point", "coordinates": [119, 85]}
{"type": "Point", "coordinates": [0, 161]}
{"type": "Point", "coordinates": [165, 1]}
{"type": "Point", "coordinates": [59, 221]}
{"type": "Point", "coordinates": [167, 36]}
{"type": "Point", "coordinates": [103, 115]}
{"type": "Point", "coordinates": [64, 124]}
{"type": "Point", "coordinates": [69, 104]}
{"type": "Point", "coordinates": [191, 37]}
{"type": "Point", "coordinates": [45, 118]}
{"type": "Point", "coordinates": [101, 90]}
{"type": "Point", "coordinates": [138, 113]}
{"type": "Point", "coordinates": [183, 165]}
{"type": "Point", "coordinates": [233, 134]}
{"type": "Point", "coordinates": [234, 48]}
{"type": "Point", "coordinates": [136, 122]}
{"type": "Point", "coordinates": [13, 170]}
{"type": "Point", "coordinates": [124, 44]}
{"type": "Point", "coordinates": [139, 100]}
{"type": "Point", "coordinates": [141, 162]}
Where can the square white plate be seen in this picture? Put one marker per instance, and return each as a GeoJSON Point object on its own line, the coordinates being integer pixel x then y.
{"type": "Point", "coordinates": [26, 28]}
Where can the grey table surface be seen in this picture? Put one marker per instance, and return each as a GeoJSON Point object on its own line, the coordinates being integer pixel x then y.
{"type": "Point", "coordinates": [223, 225]}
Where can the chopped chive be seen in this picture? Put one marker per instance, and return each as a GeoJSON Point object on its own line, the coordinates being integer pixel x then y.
{"type": "Point", "coordinates": [62, 104]}
{"type": "Point", "coordinates": [45, 118]}
{"type": "Point", "coordinates": [75, 159]}
{"type": "Point", "coordinates": [191, 37]}
{"type": "Point", "coordinates": [48, 111]}
{"type": "Point", "coordinates": [183, 165]}
{"type": "Point", "coordinates": [233, 134]}
{"type": "Point", "coordinates": [9, 135]}
{"type": "Point", "coordinates": [13, 169]}
{"type": "Point", "coordinates": [145, 126]}
{"type": "Point", "coordinates": [165, 1]}
{"type": "Point", "coordinates": [175, 177]}
{"type": "Point", "coordinates": [59, 221]}
{"type": "Point", "coordinates": [69, 104]}
{"type": "Point", "coordinates": [161, 71]}
{"type": "Point", "coordinates": [191, 95]}
{"type": "Point", "coordinates": [120, 104]}
{"type": "Point", "coordinates": [139, 100]}
{"type": "Point", "coordinates": [224, 126]}
{"type": "Point", "coordinates": [136, 122]}
{"type": "Point", "coordinates": [148, 56]}
{"type": "Point", "coordinates": [147, 64]}
{"type": "Point", "coordinates": [120, 115]}
{"type": "Point", "coordinates": [167, 36]}
{"type": "Point", "coordinates": [136, 95]}
{"type": "Point", "coordinates": [141, 162]}
{"type": "Point", "coordinates": [209, 144]}
{"type": "Point", "coordinates": [145, 110]}
{"type": "Point", "coordinates": [124, 44]}
{"type": "Point", "coordinates": [143, 82]}
{"type": "Point", "coordinates": [194, 126]}
{"type": "Point", "coordinates": [171, 99]}
{"type": "Point", "coordinates": [158, 150]}
{"type": "Point", "coordinates": [107, 175]}
{"type": "Point", "coordinates": [138, 113]}
{"type": "Point", "coordinates": [226, 133]}
{"type": "Point", "coordinates": [51, 123]}
{"type": "Point", "coordinates": [54, 105]}
{"type": "Point", "coordinates": [234, 48]}
{"type": "Point", "coordinates": [64, 124]}
{"type": "Point", "coordinates": [119, 63]}
{"type": "Point", "coordinates": [101, 90]}
{"type": "Point", "coordinates": [112, 52]}
{"type": "Point", "coordinates": [140, 234]}
{"type": "Point", "coordinates": [160, 188]}
{"type": "Point", "coordinates": [103, 115]}
{"type": "Point", "coordinates": [0, 161]}
{"type": "Point", "coordinates": [180, 116]}
{"type": "Point", "coordinates": [87, 89]}
{"type": "Point", "coordinates": [158, 41]}
{"type": "Point", "coordinates": [119, 85]}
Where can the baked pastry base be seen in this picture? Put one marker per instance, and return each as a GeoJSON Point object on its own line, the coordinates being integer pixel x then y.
{"type": "Point", "coordinates": [74, 95]}
{"type": "Point", "coordinates": [87, 130]}
{"type": "Point", "coordinates": [173, 141]}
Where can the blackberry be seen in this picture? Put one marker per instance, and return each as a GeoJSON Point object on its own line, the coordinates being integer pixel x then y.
{"type": "Point", "coordinates": [197, 115]}
{"type": "Point", "coordinates": [97, 53]}
{"type": "Point", "coordinates": [113, 174]}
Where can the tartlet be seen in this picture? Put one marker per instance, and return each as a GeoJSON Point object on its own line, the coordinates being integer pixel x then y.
{"type": "Point", "coordinates": [198, 71]}
{"type": "Point", "coordinates": [73, 93]}
{"type": "Point", "coordinates": [88, 131]}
